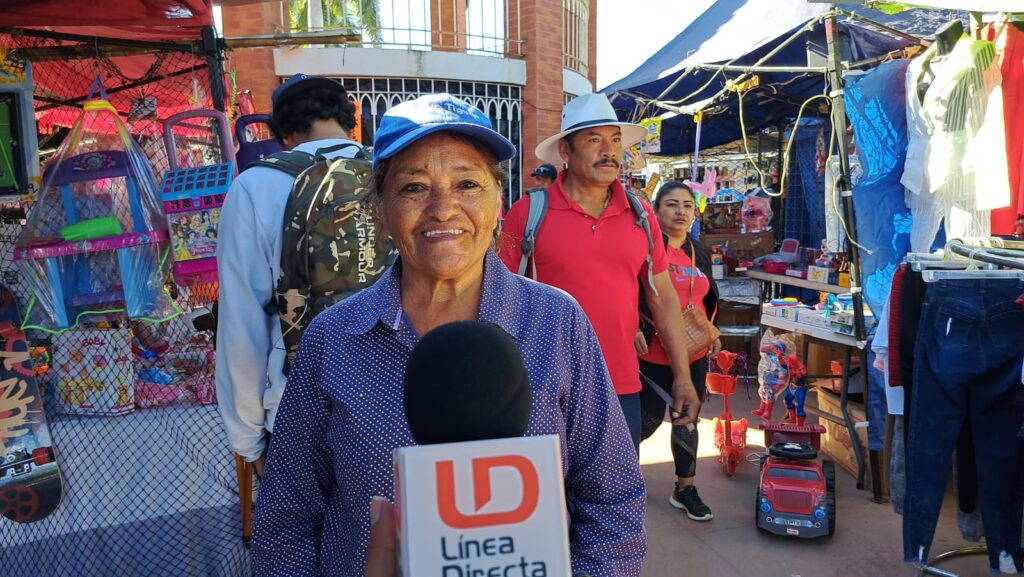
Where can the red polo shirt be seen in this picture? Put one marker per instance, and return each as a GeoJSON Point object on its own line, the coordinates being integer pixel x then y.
{"type": "Point", "coordinates": [599, 261]}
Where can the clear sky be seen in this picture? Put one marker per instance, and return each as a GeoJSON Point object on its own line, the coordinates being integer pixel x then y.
{"type": "Point", "coordinates": [631, 31]}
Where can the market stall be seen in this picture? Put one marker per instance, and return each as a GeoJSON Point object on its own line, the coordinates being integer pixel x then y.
{"type": "Point", "coordinates": [871, 193]}
{"type": "Point", "coordinates": [146, 476]}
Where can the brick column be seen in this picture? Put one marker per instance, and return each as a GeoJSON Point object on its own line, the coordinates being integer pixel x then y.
{"type": "Point", "coordinates": [592, 46]}
{"type": "Point", "coordinates": [448, 25]}
{"type": "Point", "coordinates": [254, 67]}
{"type": "Point", "coordinates": [541, 28]}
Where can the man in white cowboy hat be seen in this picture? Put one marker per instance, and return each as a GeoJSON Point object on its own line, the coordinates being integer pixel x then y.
{"type": "Point", "coordinates": [591, 245]}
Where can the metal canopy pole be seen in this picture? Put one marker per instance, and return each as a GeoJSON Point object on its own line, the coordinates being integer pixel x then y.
{"type": "Point", "coordinates": [212, 51]}
{"type": "Point", "coordinates": [836, 93]}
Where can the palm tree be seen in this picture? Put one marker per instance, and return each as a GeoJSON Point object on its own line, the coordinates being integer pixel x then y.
{"type": "Point", "coordinates": [363, 15]}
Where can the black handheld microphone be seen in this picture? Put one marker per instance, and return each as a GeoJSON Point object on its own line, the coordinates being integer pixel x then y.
{"type": "Point", "coordinates": [466, 381]}
{"type": "Point", "coordinates": [475, 497]}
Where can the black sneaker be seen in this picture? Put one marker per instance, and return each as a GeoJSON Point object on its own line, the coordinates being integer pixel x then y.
{"type": "Point", "coordinates": [688, 500]}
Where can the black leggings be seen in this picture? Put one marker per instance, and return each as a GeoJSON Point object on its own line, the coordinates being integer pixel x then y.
{"type": "Point", "coordinates": [652, 410]}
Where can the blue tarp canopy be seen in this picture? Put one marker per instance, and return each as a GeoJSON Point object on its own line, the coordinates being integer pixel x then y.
{"type": "Point", "coordinates": [728, 32]}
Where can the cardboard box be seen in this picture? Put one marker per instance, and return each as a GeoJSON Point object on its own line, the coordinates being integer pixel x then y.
{"type": "Point", "coordinates": [813, 318]}
{"type": "Point", "coordinates": [819, 359]}
{"type": "Point", "coordinates": [752, 244]}
{"type": "Point", "coordinates": [817, 274]}
{"type": "Point", "coordinates": [836, 442]}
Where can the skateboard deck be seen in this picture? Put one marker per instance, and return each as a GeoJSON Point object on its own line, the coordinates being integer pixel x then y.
{"type": "Point", "coordinates": [30, 483]}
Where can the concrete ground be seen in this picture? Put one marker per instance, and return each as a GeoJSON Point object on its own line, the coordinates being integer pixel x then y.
{"type": "Point", "coordinates": [868, 540]}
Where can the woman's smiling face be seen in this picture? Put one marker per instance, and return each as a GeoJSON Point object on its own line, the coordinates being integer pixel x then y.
{"type": "Point", "coordinates": [440, 204]}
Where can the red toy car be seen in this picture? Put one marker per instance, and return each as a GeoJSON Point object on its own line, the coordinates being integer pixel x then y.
{"type": "Point", "coordinates": [796, 495]}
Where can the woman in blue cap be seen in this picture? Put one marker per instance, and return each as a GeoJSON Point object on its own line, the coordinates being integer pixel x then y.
{"type": "Point", "coordinates": [436, 188]}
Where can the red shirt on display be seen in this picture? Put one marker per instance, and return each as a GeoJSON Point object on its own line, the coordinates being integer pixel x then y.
{"type": "Point", "coordinates": [680, 269]}
{"type": "Point", "coordinates": [599, 261]}
{"type": "Point", "coordinates": [1009, 43]}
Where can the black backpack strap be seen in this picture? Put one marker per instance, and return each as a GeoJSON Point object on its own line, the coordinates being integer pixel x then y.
{"type": "Point", "coordinates": [643, 221]}
{"type": "Point", "coordinates": [321, 153]}
{"type": "Point", "coordinates": [291, 162]}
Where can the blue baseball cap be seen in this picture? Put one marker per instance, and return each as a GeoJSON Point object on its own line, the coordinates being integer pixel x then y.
{"type": "Point", "coordinates": [546, 170]}
{"type": "Point", "coordinates": [410, 121]}
{"type": "Point", "coordinates": [299, 83]}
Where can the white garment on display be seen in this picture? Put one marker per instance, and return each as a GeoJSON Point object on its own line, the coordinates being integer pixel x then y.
{"type": "Point", "coordinates": [956, 164]}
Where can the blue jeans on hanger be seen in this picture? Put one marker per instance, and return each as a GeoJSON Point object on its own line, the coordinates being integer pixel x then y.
{"type": "Point", "coordinates": [967, 372]}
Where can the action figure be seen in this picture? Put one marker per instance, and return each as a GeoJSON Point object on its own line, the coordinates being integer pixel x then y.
{"type": "Point", "coordinates": [796, 392]}
{"type": "Point", "coordinates": [775, 376]}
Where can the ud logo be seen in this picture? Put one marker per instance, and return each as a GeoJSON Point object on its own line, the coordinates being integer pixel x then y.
{"type": "Point", "coordinates": [482, 467]}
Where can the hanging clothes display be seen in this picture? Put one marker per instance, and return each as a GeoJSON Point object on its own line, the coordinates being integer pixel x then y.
{"type": "Point", "coordinates": [1009, 43]}
{"type": "Point", "coordinates": [955, 122]}
{"type": "Point", "coordinates": [969, 349]}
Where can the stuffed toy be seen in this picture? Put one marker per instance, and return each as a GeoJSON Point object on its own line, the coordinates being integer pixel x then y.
{"type": "Point", "coordinates": [796, 392]}
{"type": "Point", "coordinates": [772, 379]}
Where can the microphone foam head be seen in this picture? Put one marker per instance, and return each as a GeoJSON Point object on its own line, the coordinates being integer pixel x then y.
{"type": "Point", "coordinates": [466, 381]}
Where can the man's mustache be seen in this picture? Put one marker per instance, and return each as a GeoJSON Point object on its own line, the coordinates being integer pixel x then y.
{"type": "Point", "coordinates": [607, 161]}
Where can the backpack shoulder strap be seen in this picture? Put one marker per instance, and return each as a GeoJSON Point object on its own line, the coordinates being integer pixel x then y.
{"type": "Point", "coordinates": [534, 218]}
{"type": "Point", "coordinates": [291, 162]}
{"type": "Point", "coordinates": [321, 153]}
{"type": "Point", "coordinates": [643, 221]}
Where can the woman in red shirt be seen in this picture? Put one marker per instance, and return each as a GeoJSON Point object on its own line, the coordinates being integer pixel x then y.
{"type": "Point", "coordinates": [676, 207]}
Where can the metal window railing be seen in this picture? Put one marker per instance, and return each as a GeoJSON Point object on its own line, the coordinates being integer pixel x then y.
{"type": "Point", "coordinates": [483, 27]}
{"type": "Point", "coordinates": [575, 36]}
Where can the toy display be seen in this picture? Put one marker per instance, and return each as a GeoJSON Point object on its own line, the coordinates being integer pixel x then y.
{"type": "Point", "coordinates": [772, 377]}
{"type": "Point", "coordinates": [198, 138]}
{"type": "Point", "coordinates": [96, 374]}
{"type": "Point", "coordinates": [193, 198]}
{"type": "Point", "coordinates": [30, 482]}
{"type": "Point", "coordinates": [706, 188]}
{"type": "Point", "coordinates": [19, 150]}
{"type": "Point", "coordinates": [721, 218]}
{"type": "Point", "coordinates": [796, 392]}
{"type": "Point", "coordinates": [174, 364]}
{"type": "Point", "coordinates": [757, 214]}
{"type": "Point", "coordinates": [796, 495]}
{"type": "Point", "coordinates": [96, 242]}
{"type": "Point", "coordinates": [730, 435]}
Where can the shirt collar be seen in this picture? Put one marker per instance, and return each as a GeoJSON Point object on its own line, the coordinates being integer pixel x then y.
{"type": "Point", "coordinates": [558, 200]}
{"type": "Point", "coordinates": [381, 303]}
{"type": "Point", "coordinates": [314, 145]}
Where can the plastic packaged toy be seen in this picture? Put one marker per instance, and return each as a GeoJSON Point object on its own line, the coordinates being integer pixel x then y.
{"type": "Point", "coordinates": [757, 214]}
{"type": "Point", "coordinates": [96, 241]}
{"type": "Point", "coordinates": [19, 152]}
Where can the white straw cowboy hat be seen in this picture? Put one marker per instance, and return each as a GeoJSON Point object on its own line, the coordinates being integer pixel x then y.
{"type": "Point", "coordinates": [583, 112]}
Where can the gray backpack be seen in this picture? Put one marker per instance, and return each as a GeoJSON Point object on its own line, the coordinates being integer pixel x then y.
{"type": "Point", "coordinates": [535, 218]}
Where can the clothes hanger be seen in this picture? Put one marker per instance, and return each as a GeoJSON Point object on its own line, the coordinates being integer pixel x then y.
{"type": "Point", "coordinates": [996, 251]}
{"type": "Point", "coordinates": [932, 275]}
{"type": "Point", "coordinates": [946, 38]}
{"type": "Point", "coordinates": [922, 261]}
{"type": "Point", "coordinates": [977, 257]}
{"type": "Point", "coordinates": [948, 35]}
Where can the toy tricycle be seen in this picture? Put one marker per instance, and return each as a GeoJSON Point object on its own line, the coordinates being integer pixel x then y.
{"type": "Point", "coordinates": [730, 435]}
{"type": "Point", "coordinates": [796, 495]}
